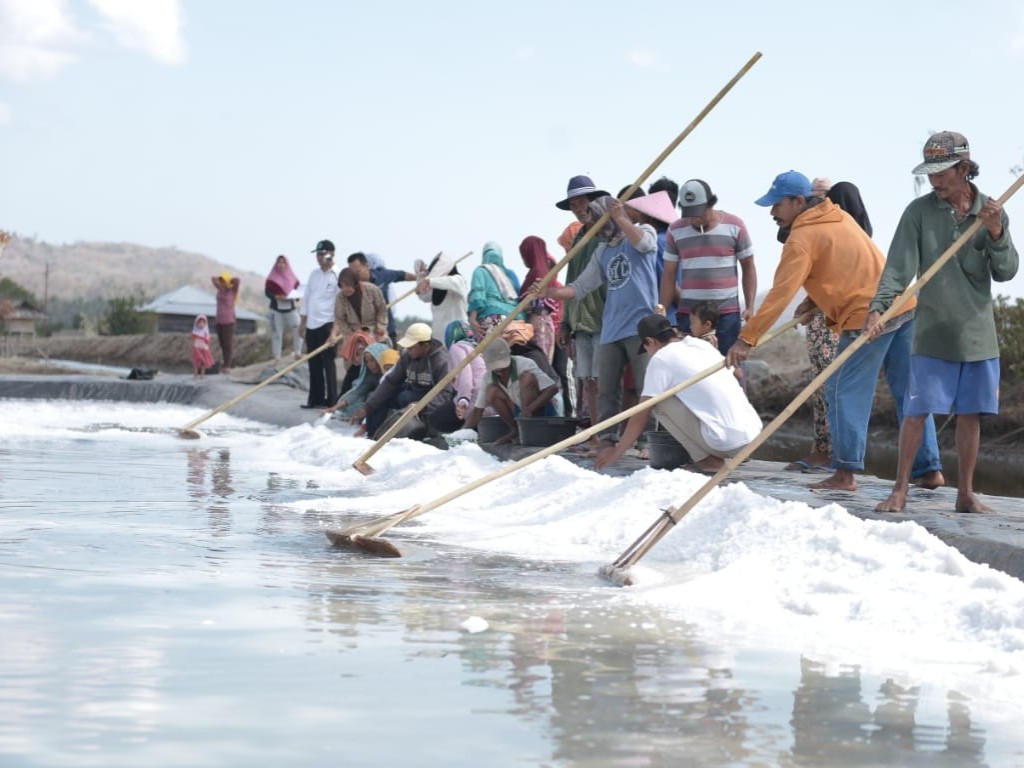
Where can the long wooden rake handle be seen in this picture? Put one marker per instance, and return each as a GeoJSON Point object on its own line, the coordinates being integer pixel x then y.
{"type": "Point", "coordinates": [616, 571]}
{"type": "Point", "coordinates": [188, 429]}
{"type": "Point", "coordinates": [380, 525]}
{"type": "Point", "coordinates": [410, 413]}
{"type": "Point", "coordinates": [412, 290]}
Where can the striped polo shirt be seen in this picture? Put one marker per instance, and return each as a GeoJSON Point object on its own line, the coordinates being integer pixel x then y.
{"type": "Point", "coordinates": [708, 261]}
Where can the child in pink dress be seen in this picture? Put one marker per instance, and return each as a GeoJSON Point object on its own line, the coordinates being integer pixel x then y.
{"type": "Point", "coordinates": [202, 357]}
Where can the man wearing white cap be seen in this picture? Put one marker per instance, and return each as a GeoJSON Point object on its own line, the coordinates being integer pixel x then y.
{"type": "Point", "coordinates": [423, 363]}
{"type": "Point", "coordinates": [706, 251]}
{"type": "Point", "coordinates": [954, 367]}
{"type": "Point", "coordinates": [515, 386]}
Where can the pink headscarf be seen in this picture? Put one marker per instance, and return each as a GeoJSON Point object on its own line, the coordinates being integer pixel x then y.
{"type": "Point", "coordinates": [534, 252]}
{"type": "Point", "coordinates": [281, 279]}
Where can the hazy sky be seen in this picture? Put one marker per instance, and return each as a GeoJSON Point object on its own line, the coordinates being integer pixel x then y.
{"type": "Point", "coordinates": [246, 129]}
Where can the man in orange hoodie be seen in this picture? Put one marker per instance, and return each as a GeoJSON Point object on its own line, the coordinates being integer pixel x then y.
{"type": "Point", "coordinates": [838, 265]}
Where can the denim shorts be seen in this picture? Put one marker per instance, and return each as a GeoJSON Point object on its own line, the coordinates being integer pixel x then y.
{"type": "Point", "coordinates": [946, 386]}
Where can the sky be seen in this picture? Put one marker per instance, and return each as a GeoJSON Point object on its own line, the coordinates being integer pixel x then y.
{"type": "Point", "coordinates": [241, 130]}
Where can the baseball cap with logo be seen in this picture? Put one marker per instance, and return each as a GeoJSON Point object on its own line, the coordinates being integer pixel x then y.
{"type": "Point", "coordinates": [695, 197]}
{"type": "Point", "coordinates": [943, 150]}
{"type": "Point", "coordinates": [415, 334]}
{"type": "Point", "coordinates": [788, 184]}
{"type": "Point", "coordinates": [324, 246]}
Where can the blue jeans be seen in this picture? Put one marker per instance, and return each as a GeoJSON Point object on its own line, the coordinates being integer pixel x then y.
{"type": "Point", "coordinates": [850, 391]}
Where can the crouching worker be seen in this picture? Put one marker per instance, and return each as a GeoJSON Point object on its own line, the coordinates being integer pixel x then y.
{"type": "Point", "coordinates": [421, 365]}
{"type": "Point", "coordinates": [514, 386]}
{"type": "Point", "coordinates": [712, 419]}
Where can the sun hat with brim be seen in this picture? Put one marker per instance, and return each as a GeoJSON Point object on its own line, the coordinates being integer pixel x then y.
{"type": "Point", "coordinates": [415, 334]}
{"type": "Point", "coordinates": [497, 355]}
{"type": "Point", "coordinates": [579, 186]}
{"type": "Point", "coordinates": [657, 205]}
{"type": "Point", "coordinates": [788, 184]}
{"type": "Point", "coordinates": [943, 150]}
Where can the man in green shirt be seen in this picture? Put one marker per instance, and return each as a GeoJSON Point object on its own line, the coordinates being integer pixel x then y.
{"type": "Point", "coordinates": [955, 360]}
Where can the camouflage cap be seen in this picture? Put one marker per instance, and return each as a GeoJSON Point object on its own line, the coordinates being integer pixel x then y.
{"type": "Point", "coordinates": [943, 150]}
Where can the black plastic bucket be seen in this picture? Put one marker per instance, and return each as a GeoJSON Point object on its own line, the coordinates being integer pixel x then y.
{"type": "Point", "coordinates": [665, 450]}
{"type": "Point", "coordinates": [546, 430]}
{"type": "Point", "coordinates": [491, 428]}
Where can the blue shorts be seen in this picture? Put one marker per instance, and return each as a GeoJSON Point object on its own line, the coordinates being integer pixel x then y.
{"type": "Point", "coordinates": [945, 386]}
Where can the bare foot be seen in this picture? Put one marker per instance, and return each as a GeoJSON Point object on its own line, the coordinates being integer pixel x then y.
{"type": "Point", "coordinates": [896, 503]}
{"type": "Point", "coordinates": [930, 481]}
{"type": "Point", "coordinates": [841, 480]}
{"type": "Point", "coordinates": [710, 464]}
{"type": "Point", "coordinates": [512, 438]}
{"type": "Point", "coordinates": [969, 503]}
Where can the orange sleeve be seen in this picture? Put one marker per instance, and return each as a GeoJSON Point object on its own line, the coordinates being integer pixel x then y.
{"type": "Point", "coordinates": [790, 275]}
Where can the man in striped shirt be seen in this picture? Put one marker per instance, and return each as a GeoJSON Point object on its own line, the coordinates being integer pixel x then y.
{"type": "Point", "coordinates": [702, 251]}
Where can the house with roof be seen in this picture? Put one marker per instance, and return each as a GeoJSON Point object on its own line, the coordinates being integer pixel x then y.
{"type": "Point", "coordinates": [19, 318]}
{"type": "Point", "coordinates": [176, 311]}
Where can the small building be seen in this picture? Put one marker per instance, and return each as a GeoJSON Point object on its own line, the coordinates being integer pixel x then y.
{"type": "Point", "coordinates": [176, 311]}
{"type": "Point", "coordinates": [19, 318]}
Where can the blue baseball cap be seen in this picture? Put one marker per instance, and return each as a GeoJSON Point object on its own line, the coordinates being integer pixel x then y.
{"type": "Point", "coordinates": [788, 184]}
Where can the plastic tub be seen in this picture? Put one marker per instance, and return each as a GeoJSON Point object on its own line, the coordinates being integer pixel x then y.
{"type": "Point", "coordinates": [491, 428]}
{"type": "Point", "coordinates": [665, 450]}
{"type": "Point", "coordinates": [546, 430]}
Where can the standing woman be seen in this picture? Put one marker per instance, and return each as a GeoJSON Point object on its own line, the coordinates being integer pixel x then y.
{"type": "Point", "coordinates": [544, 314]}
{"type": "Point", "coordinates": [493, 291]}
{"type": "Point", "coordinates": [280, 284]}
{"type": "Point", "coordinates": [441, 285]}
{"type": "Point", "coordinates": [227, 297]}
{"type": "Point", "coordinates": [358, 306]}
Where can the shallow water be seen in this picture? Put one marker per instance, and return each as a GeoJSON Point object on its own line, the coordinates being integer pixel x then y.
{"type": "Point", "coordinates": [167, 602]}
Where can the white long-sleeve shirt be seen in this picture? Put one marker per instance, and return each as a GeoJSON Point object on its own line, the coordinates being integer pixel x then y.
{"type": "Point", "coordinates": [318, 301]}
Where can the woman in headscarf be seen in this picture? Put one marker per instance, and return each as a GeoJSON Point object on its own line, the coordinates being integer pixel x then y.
{"type": "Point", "coordinates": [351, 353]}
{"type": "Point", "coordinates": [358, 306]}
{"type": "Point", "coordinates": [544, 314]}
{"type": "Point", "coordinates": [493, 291]}
{"type": "Point", "coordinates": [370, 371]}
{"type": "Point", "coordinates": [821, 341]}
{"type": "Point", "coordinates": [440, 284]}
{"type": "Point", "coordinates": [458, 337]}
{"type": "Point", "coordinates": [279, 285]}
{"type": "Point", "coordinates": [227, 297]}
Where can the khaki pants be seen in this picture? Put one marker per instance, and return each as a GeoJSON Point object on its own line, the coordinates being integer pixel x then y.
{"type": "Point", "coordinates": [684, 426]}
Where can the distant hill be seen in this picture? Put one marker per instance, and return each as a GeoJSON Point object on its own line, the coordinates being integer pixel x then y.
{"type": "Point", "coordinates": [106, 270]}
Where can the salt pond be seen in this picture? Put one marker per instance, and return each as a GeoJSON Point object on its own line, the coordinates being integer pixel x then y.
{"type": "Point", "coordinates": [168, 602]}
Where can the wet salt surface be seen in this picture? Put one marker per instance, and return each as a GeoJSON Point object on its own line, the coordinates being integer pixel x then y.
{"type": "Point", "coordinates": [170, 602]}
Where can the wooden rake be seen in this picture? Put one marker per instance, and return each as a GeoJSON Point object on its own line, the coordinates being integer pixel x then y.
{"type": "Point", "coordinates": [414, 409]}
{"type": "Point", "coordinates": [366, 536]}
{"type": "Point", "coordinates": [618, 571]}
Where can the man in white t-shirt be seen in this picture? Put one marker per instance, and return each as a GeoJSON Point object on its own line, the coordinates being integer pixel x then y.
{"type": "Point", "coordinates": [712, 419]}
{"type": "Point", "coordinates": [514, 386]}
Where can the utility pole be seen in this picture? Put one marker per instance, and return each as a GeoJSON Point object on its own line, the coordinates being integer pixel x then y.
{"type": "Point", "coordinates": [46, 287]}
